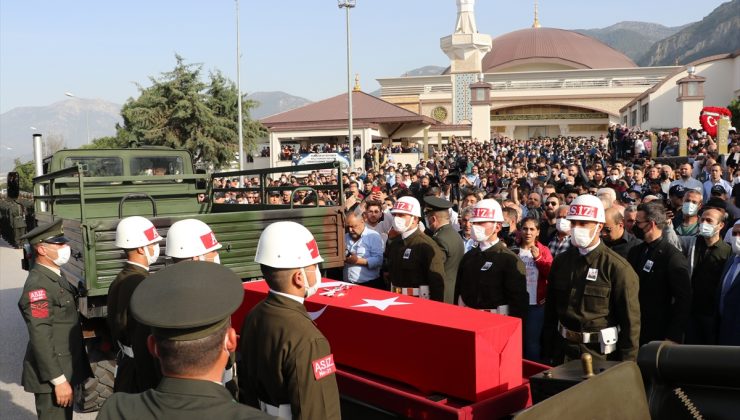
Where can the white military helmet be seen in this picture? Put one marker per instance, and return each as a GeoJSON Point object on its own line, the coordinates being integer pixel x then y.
{"type": "Point", "coordinates": [287, 245]}
{"type": "Point", "coordinates": [190, 238]}
{"type": "Point", "coordinates": [488, 210]}
{"type": "Point", "coordinates": [586, 207]}
{"type": "Point", "coordinates": [135, 231]}
{"type": "Point", "coordinates": [407, 205]}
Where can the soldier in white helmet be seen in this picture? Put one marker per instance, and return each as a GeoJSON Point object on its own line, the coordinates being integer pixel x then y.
{"type": "Point", "coordinates": [138, 237]}
{"type": "Point", "coordinates": [491, 277]}
{"type": "Point", "coordinates": [415, 261]}
{"type": "Point", "coordinates": [592, 297]}
{"type": "Point", "coordinates": [287, 368]}
{"type": "Point", "coordinates": [191, 239]}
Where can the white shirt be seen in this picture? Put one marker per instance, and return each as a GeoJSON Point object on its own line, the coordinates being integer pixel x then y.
{"type": "Point", "coordinates": [532, 274]}
{"type": "Point", "coordinates": [293, 297]}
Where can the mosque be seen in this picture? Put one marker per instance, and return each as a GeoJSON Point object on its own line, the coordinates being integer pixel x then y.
{"type": "Point", "coordinates": [530, 83]}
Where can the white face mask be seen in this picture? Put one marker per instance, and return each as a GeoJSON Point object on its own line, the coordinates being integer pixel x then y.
{"type": "Point", "coordinates": [689, 208]}
{"type": "Point", "coordinates": [479, 233]}
{"type": "Point", "coordinates": [706, 230]}
{"type": "Point", "coordinates": [581, 237]}
{"type": "Point", "coordinates": [562, 225]}
{"type": "Point", "coordinates": [311, 290]}
{"type": "Point", "coordinates": [151, 259]}
{"type": "Point", "coordinates": [399, 224]}
{"type": "Point", "coordinates": [63, 255]}
{"type": "Point", "coordinates": [736, 245]}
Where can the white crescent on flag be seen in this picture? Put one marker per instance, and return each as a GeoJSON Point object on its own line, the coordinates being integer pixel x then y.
{"type": "Point", "coordinates": [315, 315]}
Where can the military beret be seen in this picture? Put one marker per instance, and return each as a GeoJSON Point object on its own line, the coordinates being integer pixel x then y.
{"type": "Point", "coordinates": [436, 203]}
{"type": "Point", "coordinates": [188, 300]}
{"type": "Point", "coordinates": [51, 233]}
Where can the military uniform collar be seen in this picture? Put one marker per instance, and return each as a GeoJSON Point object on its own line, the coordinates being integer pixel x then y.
{"type": "Point", "coordinates": [281, 299]}
{"type": "Point", "coordinates": [406, 235]}
{"type": "Point", "coordinates": [194, 387]}
{"type": "Point", "coordinates": [56, 271]}
{"type": "Point", "coordinates": [289, 296]}
{"type": "Point", "coordinates": [486, 246]}
{"type": "Point", "coordinates": [594, 253]}
{"type": "Point", "coordinates": [135, 264]}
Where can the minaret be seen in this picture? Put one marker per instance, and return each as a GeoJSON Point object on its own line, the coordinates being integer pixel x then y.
{"type": "Point", "coordinates": [536, 23]}
{"type": "Point", "coordinates": [466, 49]}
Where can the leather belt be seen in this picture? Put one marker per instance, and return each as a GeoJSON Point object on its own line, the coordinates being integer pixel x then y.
{"type": "Point", "coordinates": [578, 337]}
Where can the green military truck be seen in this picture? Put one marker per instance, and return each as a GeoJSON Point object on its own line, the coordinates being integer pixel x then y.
{"type": "Point", "coordinates": [92, 189]}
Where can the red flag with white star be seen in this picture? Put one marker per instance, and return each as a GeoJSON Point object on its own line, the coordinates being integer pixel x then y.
{"type": "Point", "coordinates": [432, 346]}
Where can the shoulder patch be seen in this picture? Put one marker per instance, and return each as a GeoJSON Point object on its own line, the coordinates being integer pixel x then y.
{"type": "Point", "coordinates": [40, 310]}
{"type": "Point", "coordinates": [37, 295]}
{"type": "Point", "coordinates": [323, 367]}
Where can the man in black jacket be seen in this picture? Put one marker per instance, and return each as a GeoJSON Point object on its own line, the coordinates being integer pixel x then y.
{"type": "Point", "coordinates": [614, 234]}
{"type": "Point", "coordinates": [665, 288]}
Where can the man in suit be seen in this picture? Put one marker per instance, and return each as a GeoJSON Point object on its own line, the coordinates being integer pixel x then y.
{"type": "Point", "coordinates": [437, 214]}
{"type": "Point", "coordinates": [136, 371]}
{"type": "Point", "coordinates": [729, 295]}
{"type": "Point", "coordinates": [665, 286]}
{"type": "Point", "coordinates": [55, 357]}
{"type": "Point", "coordinates": [287, 368]}
{"type": "Point", "coordinates": [192, 338]}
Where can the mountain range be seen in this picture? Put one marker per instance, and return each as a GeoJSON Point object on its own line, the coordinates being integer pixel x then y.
{"type": "Point", "coordinates": [72, 122]}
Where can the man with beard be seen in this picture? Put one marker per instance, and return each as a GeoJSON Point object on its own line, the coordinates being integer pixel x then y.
{"type": "Point", "coordinates": [547, 227]}
{"type": "Point", "coordinates": [378, 220]}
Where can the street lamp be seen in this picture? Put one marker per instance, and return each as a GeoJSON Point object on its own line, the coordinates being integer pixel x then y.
{"type": "Point", "coordinates": [346, 5]}
{"type": "Point", "coordinates": [87, 117]}
{"type": "Point", "coordinates": [239, 97]}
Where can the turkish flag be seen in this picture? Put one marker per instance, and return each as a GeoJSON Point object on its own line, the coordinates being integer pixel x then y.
{"type": "Point", "coordinates": [432, 346]}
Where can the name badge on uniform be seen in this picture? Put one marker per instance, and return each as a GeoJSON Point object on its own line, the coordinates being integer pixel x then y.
{"type": "Point", "coordinates": [648, 266]}
{"type": "Point", "coordinates": [407, 253]}
{"type": "Point", "coordinates": [486, 266]}
{"type": "Point", "coordinates": [592, 274]}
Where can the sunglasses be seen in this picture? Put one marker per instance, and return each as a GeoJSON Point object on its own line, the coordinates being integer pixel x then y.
{"type": "Point", "coordinates": [552, 203]}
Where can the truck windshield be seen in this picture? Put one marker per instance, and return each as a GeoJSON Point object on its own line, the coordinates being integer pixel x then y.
{"type": "Point", "coordinates": [97, 166]}
{"type": "Point", "coordinates": [156, 165]}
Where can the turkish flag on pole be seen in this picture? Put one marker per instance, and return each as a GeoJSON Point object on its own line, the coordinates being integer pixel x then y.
{"type": "Point", "coordinates": [432, 346]}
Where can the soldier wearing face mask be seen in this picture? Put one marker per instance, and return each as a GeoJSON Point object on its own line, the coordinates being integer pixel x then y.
{"type": "Point", "coordinates": [415, 263]}
{"type": "Point", "coordinates": [137, 370]}
{"type": "Point", "coordinates": [55, 357]}
{"type": "Point", "coordinates": [592, 297]}
{"type": "Point", "coordinates": [491, 277]}
{"type": "Point", "coordinates": [280, 345]}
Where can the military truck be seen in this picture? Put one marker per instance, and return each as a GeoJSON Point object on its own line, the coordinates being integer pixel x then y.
{"type": "Point", "coordinates": [91, 190]}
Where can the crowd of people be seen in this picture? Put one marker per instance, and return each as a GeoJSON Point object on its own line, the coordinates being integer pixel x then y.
{"type": "Point", "coordinates": [597, 247]}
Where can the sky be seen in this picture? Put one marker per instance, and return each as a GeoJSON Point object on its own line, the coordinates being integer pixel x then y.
{"type": "Point", "coordinates": [103, 49]}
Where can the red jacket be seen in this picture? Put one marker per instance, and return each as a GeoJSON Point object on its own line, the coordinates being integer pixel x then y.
{"type": "Point", "coordinates": [543, 263]}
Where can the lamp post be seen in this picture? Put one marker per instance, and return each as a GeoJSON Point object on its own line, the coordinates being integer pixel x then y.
{"type": "Point", "coordinates": [346, 5]}
{"type": "Point", "coordinates": [239, 97]}
{"type": "Point", "coordinates": [87, 117]}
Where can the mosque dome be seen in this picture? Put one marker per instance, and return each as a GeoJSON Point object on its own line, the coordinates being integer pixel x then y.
{"type": "Point", "coordinates": [539, 49]}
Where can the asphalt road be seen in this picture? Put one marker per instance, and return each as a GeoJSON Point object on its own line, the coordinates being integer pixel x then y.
{"type": "Point", "coordinates": [15, 403]}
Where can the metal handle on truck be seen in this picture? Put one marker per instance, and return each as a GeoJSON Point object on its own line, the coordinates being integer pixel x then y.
{"type": "Point", "coordinates": [137, 196]}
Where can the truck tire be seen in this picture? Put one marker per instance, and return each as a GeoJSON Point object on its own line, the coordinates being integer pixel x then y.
{"type": "Point", "coordinates": [91, 395]}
